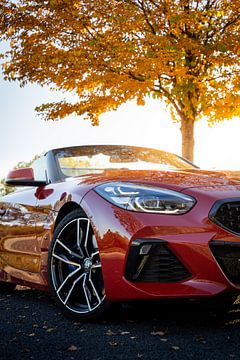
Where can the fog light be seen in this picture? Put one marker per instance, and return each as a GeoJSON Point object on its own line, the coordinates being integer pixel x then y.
{"type": "Point", "coordinates": [145, 249]}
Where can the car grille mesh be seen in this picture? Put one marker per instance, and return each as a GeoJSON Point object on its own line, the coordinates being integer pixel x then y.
{"type": "Point", "coordinates": [227, 215]}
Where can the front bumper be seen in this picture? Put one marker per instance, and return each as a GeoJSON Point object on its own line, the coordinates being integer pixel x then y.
{"type": "Point", "coordinates": [187, 237]}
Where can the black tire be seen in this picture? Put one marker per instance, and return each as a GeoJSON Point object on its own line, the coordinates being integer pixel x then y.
{"type": "Point", "coordinates": [74, 269]}
{"type": "Point", "coordinates": [6, 287]}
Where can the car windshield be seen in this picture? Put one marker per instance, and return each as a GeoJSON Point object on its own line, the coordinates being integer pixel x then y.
{"type": "Point", "coordinates": [82, 160]}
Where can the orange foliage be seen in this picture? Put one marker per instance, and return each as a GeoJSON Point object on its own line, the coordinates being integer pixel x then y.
{"type": "Point", "coordinates": [108, 52]}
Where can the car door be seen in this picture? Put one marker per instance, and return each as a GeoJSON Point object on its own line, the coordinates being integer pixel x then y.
{"type": "Point", "coordinates": [3, 223]}
{"type": "Point", "coordinates": [19, 251]}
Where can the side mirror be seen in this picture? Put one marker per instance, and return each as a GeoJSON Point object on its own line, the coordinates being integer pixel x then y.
{"type": "Point", "coordinates": [23, 177]}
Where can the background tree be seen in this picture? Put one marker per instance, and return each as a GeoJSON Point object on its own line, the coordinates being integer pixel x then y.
{"type": "Point", "coordinates": [108, 52]}
{"type": "Point", "coordinates": [4, 190]}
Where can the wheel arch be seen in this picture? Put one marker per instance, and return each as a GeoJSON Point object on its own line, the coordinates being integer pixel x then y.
{"type": "Point", "coordinates": [65, 210]}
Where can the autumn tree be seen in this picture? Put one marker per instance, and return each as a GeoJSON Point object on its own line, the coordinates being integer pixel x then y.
{"type": "Point", "coordinates": [108, 52]}
{"type": "Point", "coordinates": [4, 190]}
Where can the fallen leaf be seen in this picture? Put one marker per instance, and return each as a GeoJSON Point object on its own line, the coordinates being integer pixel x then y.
{"type": "Point", "coordinates": [110, 333]}
{"type": "Point", "coordinates": [72, 348]}
{"type": "Point", "coordinates": [125, 332]}
{"type": "Point", "coordinates": [159, 333]}
{"type": "Point", "coordinates": [50, 330]}
{"type": "Point", "coordinates": [163, 340]}
{"type": "Point", "coordinates": [13, 339]}
{"type": "Point", "coordinates": [175, 347]}
{"type": "Point", "coordinates": [31, 335]}
{"type": "Point", "coordinates": [113, 343]}
{"type": "Point", "coordinates": [201, 339]}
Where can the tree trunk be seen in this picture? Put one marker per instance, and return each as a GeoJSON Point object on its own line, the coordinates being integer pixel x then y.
{"type": "Point", "coordinates": [187, 130]}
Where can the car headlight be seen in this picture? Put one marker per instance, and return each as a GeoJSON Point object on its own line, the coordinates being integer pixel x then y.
{"type": "Point", "coordinates": [145, 198]}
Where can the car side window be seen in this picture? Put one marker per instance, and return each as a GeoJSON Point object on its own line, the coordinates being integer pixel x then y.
{"type": "Point", "coordinates": [40, 169]}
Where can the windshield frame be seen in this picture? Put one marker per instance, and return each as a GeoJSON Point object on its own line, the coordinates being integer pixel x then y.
{"type": "Point", "coordinates": [84, 148]}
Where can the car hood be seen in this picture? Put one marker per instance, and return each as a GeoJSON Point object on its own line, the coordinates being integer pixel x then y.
{"type": "Point", "coordinates": [175, 180]}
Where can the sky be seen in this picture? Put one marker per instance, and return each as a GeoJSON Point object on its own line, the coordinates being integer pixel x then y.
{"type": "Point", "coordinates": [24, 134]}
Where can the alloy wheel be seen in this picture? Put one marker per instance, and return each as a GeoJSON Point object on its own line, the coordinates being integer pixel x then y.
{"type": "Point", "coordinates": [75, 268]}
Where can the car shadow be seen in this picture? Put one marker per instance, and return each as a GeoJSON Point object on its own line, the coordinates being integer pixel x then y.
{"type": "Point", "coordinates": [179, 312]}
{"type": "Point", "coordinates": [163, 313]}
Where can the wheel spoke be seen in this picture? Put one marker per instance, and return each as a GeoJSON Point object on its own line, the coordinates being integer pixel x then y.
{"type": "Point", "coordinates": [67, 278]}
{"type": "Point", "coordinates": [79, 237]}
{"type": "Point", "coordinates": [73, 285]}
{"type": "Point", "coordinates": [82, 244]}
{"type": "Point", "coordinates": [94, 254]}
{"type": "Point", "coordinates": [73, 253]}
{"type": "Point", "coordinates": [96, 266]}
{"type": "Point", "coordinates": [86, 238]}
{"type": "Point", "coordinates": [66, 261]}
{"type": "Point", "coordinates": [93, 287]}
{"type": "Point", "coordinates": [85, 293]}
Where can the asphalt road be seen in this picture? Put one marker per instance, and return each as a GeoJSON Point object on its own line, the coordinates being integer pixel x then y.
{"type": "Point", "coordinates": [32, 328]}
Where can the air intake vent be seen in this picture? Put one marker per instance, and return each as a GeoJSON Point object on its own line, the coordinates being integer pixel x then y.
{"type": "Point", "coordinates": [226, 213]}
{"type": "Point", "coordinates": [227, 255]}
{"type": "Point", "coordinates": [152, 261]}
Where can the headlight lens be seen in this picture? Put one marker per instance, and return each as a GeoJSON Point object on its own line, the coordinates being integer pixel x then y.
{"type": "Point", "coordinates": [145, 198]}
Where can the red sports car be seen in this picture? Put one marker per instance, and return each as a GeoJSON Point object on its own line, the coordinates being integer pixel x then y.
{"type": "Point", "coordinates": [99, 224]}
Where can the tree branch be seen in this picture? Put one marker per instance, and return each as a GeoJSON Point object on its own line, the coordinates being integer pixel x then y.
{"type": "Point", "coordinates": [229, 23]}
{"type": "Point", "coordinates": [154, 3]}
{"type": "Point", "coordinates": [233, 73]}
{"type": "Point", "coordinates": [169, 97]}
{"type": "Point", "coordinates": [138, 77]}
{"type": "Point", "coordinates": [146, 18]}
